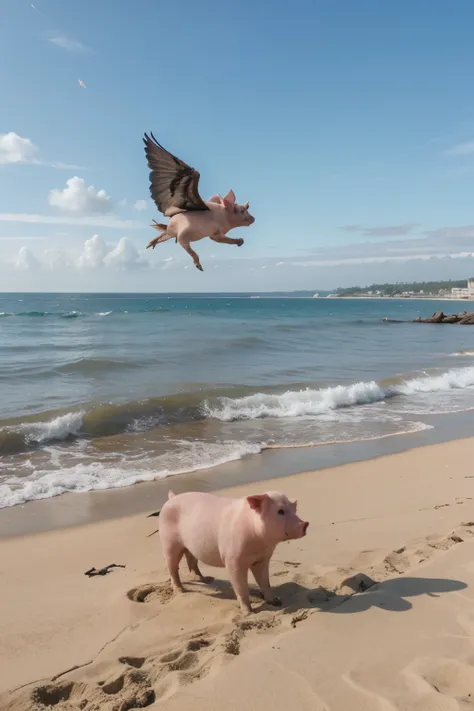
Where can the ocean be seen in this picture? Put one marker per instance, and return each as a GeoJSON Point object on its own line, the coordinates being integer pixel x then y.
{"type": "Point", "coordinates": [102, 391]}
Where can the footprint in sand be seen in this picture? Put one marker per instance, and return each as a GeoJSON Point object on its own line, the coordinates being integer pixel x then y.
{"type": "Point", "coordinates": [163, 592]}
{"type": "Point", "coordinates": [130, 690]}
{"type": "Point", "coordinates": [136, 686]}
{"type": "Point", "coordinates": [233, 639]}
{"type": "Point", "coordinates": [52, 694]}
{"type": "Point", "coordinates": [136, 662]}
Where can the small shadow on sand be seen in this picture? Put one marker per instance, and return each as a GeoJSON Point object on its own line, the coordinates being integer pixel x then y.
{"type": "Point", "coordinates": [362, 593]}
{"type": "Point", "coordinates": [392, 594]}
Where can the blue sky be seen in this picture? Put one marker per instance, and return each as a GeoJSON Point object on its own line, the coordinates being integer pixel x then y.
{"type": "Point", "coordinates": [348, 125]}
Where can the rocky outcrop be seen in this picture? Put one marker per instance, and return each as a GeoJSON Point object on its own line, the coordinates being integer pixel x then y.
{"type": "Point", "coordinates": [464, 318]}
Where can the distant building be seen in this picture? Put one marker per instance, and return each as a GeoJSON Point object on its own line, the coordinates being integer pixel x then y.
{"type": "Point", "coordinates": [458, 293]}
{"type": "Point", "coordinates": [465, 293]}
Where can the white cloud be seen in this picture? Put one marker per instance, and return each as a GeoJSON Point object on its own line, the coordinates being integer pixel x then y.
{"type": "Point", "coordinates": [15, 149]}
{"type": "Point", "coordinates": [79, 197]}
{"type": "Point", "coordinates": [403, 258]}
{"type": "Point", "coordinates": [94, 252]}
{"type": "Point", "coordinates": [124, 256]}
{"type": "Point", "coordinates": [381, 231]}
{"type": "Point", "coordinates": [66, 166]}
{"type": "Point", "coordinates": [97, 221]}
{"type": "Point", "coordinates": [69, 44]}
{"type": "Point", "coordinates": [462, 149]}
{"type": "Point", "coordinates": [98, 254]}
{"type": "Point", "coordinates": [141, 205]}
{"type": "Point", "coordinates": [26, 260]}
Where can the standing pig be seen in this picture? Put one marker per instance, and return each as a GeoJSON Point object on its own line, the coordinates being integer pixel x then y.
{"type": "Point", "coordinates": [237, 534]}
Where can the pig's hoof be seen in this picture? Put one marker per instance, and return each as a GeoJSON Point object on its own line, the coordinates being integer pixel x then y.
{"type": "Point", "coordinates": [275, 602]}
{"type": "Point", "coordinates": [198, 266]}
{"type": "Point", "coordinates": [206, 579]}
{"type": "Point", "coordinates": [239, 242]}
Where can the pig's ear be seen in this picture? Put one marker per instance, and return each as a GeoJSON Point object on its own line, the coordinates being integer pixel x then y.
{"type": "Point", "coordinates": [255, 502]}
{"type": "Point", "coordinates": [229, 199]}
{"type": "Point", "coordinates": [294, 504]}
{"type": "Point", "coordinates": [217, 199]}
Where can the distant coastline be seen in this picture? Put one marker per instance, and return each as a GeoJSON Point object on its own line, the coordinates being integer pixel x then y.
{"type": "Point", "coordinates": [398, 297]}
{"type": "Point", "coordinates": [462, 290]}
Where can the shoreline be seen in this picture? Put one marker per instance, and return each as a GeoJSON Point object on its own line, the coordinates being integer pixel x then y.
{"type": "Point", "coordinates": [379, 591]}
{"type": "Point", "coordinates": [81, 509]}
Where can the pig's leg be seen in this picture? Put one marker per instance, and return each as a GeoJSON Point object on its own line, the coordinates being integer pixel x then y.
{"type": "Point", "coordinates": [173, 554]}
{"type": "Point", "coordinates": [223, 239]}
{"type": "Point", "coordinates": [194, 568]}
{"type": "Point", "coordinates": [261, 573]}
{"type": "Point", "coordinates": [238, 575]}
{"type": "Point", "coordinates": [164, 237]}
{"type": "Point", "coordinates": [184, 242]}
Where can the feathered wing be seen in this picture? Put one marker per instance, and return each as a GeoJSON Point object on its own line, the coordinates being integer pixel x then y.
{"type": "Point", "coordinates": [173, 183]}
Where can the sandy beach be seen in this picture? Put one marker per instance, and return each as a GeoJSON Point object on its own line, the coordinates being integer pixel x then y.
{"type": "Point", "coordinates": [378, 609]}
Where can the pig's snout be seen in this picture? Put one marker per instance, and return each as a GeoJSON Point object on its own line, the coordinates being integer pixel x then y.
{"type": "Point", "coordinates": [297, 530]}
{"type": "Point", "coordinates": [251, 220]}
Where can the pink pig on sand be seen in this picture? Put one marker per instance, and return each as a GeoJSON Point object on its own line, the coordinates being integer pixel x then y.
{"type": "Point", "coordinates": [237, 534]}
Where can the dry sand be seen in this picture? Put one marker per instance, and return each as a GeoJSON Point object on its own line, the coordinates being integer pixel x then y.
{"type": "Point", "coordinates": [378, 605]}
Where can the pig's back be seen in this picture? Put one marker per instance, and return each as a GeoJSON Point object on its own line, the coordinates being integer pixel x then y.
{"type": "Point", "coordinates": [196, 519]}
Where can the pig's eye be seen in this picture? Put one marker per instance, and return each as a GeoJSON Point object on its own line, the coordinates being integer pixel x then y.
{"type": "Point", "coordinates": [281, 512]}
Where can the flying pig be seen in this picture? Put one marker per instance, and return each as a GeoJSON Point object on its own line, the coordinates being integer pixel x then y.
{"type": "Point", "coordinates": [174, 189]}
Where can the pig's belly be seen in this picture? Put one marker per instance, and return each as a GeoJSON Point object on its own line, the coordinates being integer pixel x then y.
{"type": "Point", "coordinates": [211, 558]}
{"type": "Point", "coordinates": [206, 551]}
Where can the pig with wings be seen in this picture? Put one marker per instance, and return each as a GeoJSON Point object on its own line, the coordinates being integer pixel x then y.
{"type": "Point", "coordinates": [174, 189]}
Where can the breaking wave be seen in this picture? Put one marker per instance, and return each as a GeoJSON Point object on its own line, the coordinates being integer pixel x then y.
{"type": "Point", "coordinates": [29, 435]}
{"type": "Point", "coordinates": [310, 403]}
{"type": "Point", "coordinates": [234, 404]}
